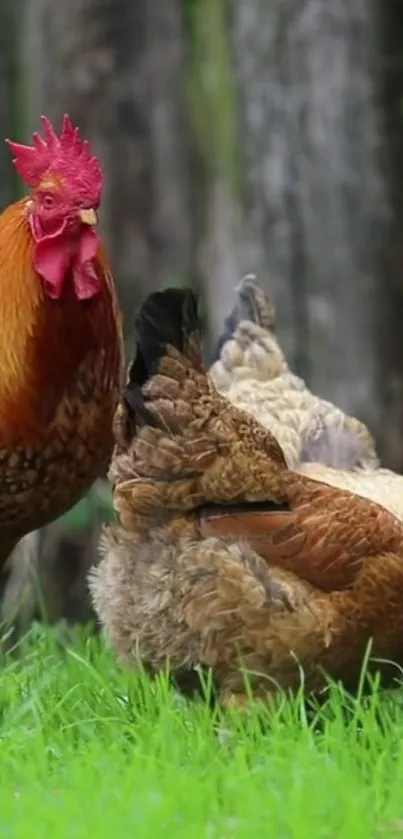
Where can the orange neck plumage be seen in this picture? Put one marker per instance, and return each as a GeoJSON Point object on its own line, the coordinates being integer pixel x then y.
{"type": "Point", "coordinates": [43, 342]}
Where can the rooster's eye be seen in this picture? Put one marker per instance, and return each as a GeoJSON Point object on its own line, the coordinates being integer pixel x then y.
{"type": "Point", "coordinates": [48, 202]}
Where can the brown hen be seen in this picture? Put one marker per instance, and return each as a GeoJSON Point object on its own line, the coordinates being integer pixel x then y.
{"type": "Point", "coordinates": [225, 557]}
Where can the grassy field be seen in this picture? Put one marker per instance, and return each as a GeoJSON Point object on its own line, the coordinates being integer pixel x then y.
{"type": "Point", "coordinates": [90, 750]}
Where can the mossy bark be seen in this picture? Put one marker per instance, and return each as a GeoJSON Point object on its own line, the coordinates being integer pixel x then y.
{"type": "Point", "coordinates": [218, 183]}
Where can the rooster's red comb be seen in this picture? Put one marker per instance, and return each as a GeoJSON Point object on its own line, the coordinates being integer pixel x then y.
{"type": "Point", "coordinates": [68, 157]}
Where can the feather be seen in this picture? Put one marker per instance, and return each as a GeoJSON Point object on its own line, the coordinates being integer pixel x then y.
{"type": "Point", "coordinates": [226, 558]}
{"type": "Point", "coordinates": [251, 370]}
{"type": "Point", "coordinates": [251, 305]}
{"type": "Point", "coordinates": [166, 318]}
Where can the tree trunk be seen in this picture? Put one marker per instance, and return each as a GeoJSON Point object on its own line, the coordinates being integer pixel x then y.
{"type": "Point", "coordinates": [317, 205]}
{"type": "Point", "coordinates": [117, 67]}
{"type": "Point", "coordinates": [10, 101]}
{"type": "Point", "coordinates": [219, 253]}
{"type": "Point", "coordinates": [390, 27]}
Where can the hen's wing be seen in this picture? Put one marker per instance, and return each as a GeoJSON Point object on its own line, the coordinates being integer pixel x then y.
{"type": "Point", "coordinates": [382, 486]}
{"type": "Point", "coordinates": [326, 539]}
{"type": "Point", "coordinates": [251, 371]}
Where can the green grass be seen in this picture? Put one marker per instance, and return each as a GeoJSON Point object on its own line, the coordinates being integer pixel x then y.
{"type": "Point", "coordinates": [90, 750]}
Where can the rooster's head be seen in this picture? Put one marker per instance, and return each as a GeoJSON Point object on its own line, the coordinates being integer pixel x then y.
{"type": "Point", "coordinates": [66, 181]}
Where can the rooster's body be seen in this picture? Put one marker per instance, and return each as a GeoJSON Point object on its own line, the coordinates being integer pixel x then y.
{"type": "Point", "coordinates": [60, 337]}
{"type": "Point", "coordinates": [225, 557]}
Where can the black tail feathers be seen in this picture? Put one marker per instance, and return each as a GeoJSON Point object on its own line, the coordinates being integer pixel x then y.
{"type": "Point", "coordinates": [166, 317]}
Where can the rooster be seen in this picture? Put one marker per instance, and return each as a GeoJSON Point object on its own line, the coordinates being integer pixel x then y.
{"type": "Point", "coordinates": [223, 556]}
{"type": "Point", "coordinates": [61, 345]}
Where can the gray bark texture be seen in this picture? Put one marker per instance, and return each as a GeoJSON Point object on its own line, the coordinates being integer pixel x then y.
{"type": "Point", "coordinates": [317, 208]}
{"type": "Point", "coordinates": [117, 67]}
{"type": "Point", "coordinates": [216, 185]}
{"type": "Point", "coordinates": [8, 89]}
{"type": "Point", "coordinates": [390, 67]}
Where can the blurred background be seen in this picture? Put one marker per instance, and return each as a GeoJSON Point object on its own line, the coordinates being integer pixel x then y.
{"type": "Point", "coordinates": [236, 136]}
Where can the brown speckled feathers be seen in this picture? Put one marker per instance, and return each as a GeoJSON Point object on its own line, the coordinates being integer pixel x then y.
{"type": "Point", "coordinates": [224, 556]}
{"type": "Point", "coordinates": [60, 380]}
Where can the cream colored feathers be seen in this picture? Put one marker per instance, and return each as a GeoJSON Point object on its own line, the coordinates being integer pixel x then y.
{"type": "Point", "coordinates": [252, 372]}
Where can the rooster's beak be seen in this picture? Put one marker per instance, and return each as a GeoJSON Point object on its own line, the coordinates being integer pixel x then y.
{"type": "Point", "coordinates": [88, 217]}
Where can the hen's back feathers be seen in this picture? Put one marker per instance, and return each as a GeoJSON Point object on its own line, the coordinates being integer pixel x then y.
{"type": "Point", "coordinates": [166, 318]}
{"type": "Point", "coordinates": [251, 371]}
{"type": "Point", "coordinates": [179, 443]}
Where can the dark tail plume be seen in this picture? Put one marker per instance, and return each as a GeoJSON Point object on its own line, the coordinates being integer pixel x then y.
{"type": "Point", "coordinates": [168, 317]}
{"type": "Point", "coordinates": [252, 305]}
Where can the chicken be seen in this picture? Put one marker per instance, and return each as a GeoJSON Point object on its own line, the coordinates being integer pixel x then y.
{"type": "Point", "coordinates": [251, 371]}
{"type": "Point", "coordinates": [318, 440]}
{"type": "Point", "coordinates": [223, 556]}
{"type": "Point", "coordinates": [61, 345]}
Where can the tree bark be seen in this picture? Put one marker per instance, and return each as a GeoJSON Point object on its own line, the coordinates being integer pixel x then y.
{"type": "Point", "coordinates": [390, 66]}
{"type": "Point", "coordinates": [217, 184]}
{"type": "Point", "coordinates": [317, 203]}
{"type": "Point", "coordinates": [10, 102]}
{"type": "Point", "coordinates": [117, 67]}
